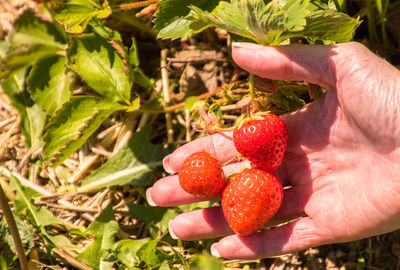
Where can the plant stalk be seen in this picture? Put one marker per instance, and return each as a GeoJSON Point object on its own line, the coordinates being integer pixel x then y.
{"type": "Point", "coordinates": [13, 229]}
{"type": "Point", "coordinates": [252, 91]}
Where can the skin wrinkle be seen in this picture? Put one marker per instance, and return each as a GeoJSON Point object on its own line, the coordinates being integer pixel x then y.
{"type": "Point", "coordinates": [338, 158]}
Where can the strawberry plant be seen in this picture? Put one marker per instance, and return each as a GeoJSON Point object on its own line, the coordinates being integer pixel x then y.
{"type": "Point", "coordinates": [97, 114]}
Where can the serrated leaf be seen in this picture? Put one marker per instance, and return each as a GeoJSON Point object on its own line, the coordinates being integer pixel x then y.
{"type": "Point", "coordinates": [255, 19]}
{"type": "Point", "coordinates": [264, 20]}
{"type": "Point", "coordinates": [104, 228]}
{"type": "Point", "coordinates": [26, 233]}
{"type": "Point", "coordinates": [103, 69]}
{"type": "Point", "coordinates": [160, 216]}
{"type": "Point", "coordinates": [73, 124]}
{"type": "Point", "coordinates": [32, 116]}
{"type": "Point", "coordinates": [132, 164]}
{"type": "Point", "coordinates": [24, 56]}
{"type": "Point", "coordinates": [29, 28]}
{"type": "Point", "coordinates": [328, 25]}
{"type": "Point", "coordinates": [226, 16]}
{"type": "Point", "coordinates": [150, 254]}
{"type": "Point", "coordinates": [49, 83]}
{"type": "Point", "coordinates": [273, 22]}
{"type": "Point", "coordinates": [170, 18]}
{"type": "Point", "coordinates": [24, 196]}
{"type": "Point", "coordinates": [126, 250]}
{"type": "Point", "coordinates": [76, 14]}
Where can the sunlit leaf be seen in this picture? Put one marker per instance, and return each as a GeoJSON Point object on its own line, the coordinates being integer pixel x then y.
{"type": "Point", "coordinates": [49, 83]}
{"type": "Point", "coordinates": [32, 116]}
{"type": "Point", "coordinates": [170, 18]}
{"type": "Point", "coordinates": [103, 69]}
{"type": "Point", "coordinates": [39, 217]}
{"type": "Point", "coordinates": [126, 250]}
{"type": "Point", "coordinates": [29, 28]}
{"type": "Point", "coordinates": [104, 229]}
{"type": "Point", "coordinates": [133, 164]}
{"type": "Point", "coordinates": [73, 124]}
{"type": "Point", "coordinates": [76, 14]}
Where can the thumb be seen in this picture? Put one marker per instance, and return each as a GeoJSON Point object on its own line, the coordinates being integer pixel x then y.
{"type": "Point", "coordinates": [311, 63]}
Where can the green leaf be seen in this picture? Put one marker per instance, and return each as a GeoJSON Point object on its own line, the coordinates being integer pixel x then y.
{"type": "Point", "coordinates": [32, 116]}
{"type": "Point", "coordinates": [104, 228]}
{"type": "Point", "coordinates": [24, 56]}
{"type": "Point", "coordinates": [288, 100]}
{"type": "Point", "coordinates": [63, 240]}
{"type": "Point", "coordinates": [255, 19]}
{"type": "Point", "coordinates": [326, 25]}
{"type": "Point", "coordinates": [24, 196]}
{"type": "Point", "coordinates": [126, 250]}
{"type": "Point", "coordinates": [132, 164]}
{"type": "Point", "coordinates": [205, 261]}
{"type": "Point", "coordinates": [226, 16]}
{"type": "Point", "coordinates": [190, 103]}
{"type": "Point", "coordinates": [170, 18]}
{"type": "Point", "coordinates": [160, 216]}
{"type": "Point", "coordinates": [29, 28]}
{"type": "Point", "coordinates": [73, 124]}
{"type": "Point", "coordinates": [26, 233]}
{"type": "Point", "coordinates": [272, 22]}
{"type": "Point", "coordinates": [49, 83]}
{"type": "Point", "coordinates": [264, 21]}
{"type": "Point", "coordinates": [103, 69]}
{"type": "Point", "coordinates": [150, 254]}
{"type": "Point", "coordinates": [76, 14]}
{"type": "Point", "coordinates": [164, 266]}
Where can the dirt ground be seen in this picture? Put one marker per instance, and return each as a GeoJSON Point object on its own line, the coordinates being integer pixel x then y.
{"type": "Point", "coordinates": [380, 252]}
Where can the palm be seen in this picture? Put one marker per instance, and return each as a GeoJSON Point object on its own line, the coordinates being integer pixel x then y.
{"type": "Point", "coordinates": [342, 157]}
{"type": "Point", "coordinates": [340, 161]}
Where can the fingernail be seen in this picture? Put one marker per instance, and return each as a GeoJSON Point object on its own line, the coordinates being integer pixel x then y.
{"type": "Point", "coordinates": [245, 45]}
{"type": "Point", "coordinates": [149, 198]}
{"type": "Point", "coordinates": [214, 251]}
{"type": "Point", "coordinates": [170, 231]}
{"type": "Point", "coordinates": [166, 166]}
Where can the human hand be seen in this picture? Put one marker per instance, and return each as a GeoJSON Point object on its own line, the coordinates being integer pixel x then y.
{"type": "Point", "coordinates": [342, 159]}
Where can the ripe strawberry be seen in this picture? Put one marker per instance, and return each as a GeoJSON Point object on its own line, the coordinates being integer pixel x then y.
{"type": "Point", "coordinates": [250, 199]}
{"type": "Point", "coordinates": [262, 139]}
{"type": "Point", "coordinates": [201, 175]}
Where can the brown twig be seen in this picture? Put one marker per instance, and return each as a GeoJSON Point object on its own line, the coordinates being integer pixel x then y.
{"type": "Point", "coordinates": [13, 229]}
{"type": "Point", "coordinates": [71, 260]}
{"type": "Point", "coordinates": [167, 98]}
{"type": "Point", "coordinates": [137, 4]}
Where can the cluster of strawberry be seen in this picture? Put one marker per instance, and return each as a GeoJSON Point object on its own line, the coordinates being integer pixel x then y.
{"type": "Point", "coordinates": [253, 196]}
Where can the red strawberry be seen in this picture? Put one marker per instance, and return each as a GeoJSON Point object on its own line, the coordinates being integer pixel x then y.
{"type": "Point", "coordinates": [250, 199]}
{"type": "Point", "coordinates": [262, 139]}
{"type": "Point", "coordinates": [201, 175]}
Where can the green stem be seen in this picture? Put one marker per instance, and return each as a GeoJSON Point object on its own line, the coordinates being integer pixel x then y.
{"type": "Point", "coordinates": [371, 21]}
{"type": "Point", "coordinates": [252, 91]}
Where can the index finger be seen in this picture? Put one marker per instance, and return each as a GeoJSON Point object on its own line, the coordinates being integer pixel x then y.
{"type": "Point", "coordinates": [220, 145]}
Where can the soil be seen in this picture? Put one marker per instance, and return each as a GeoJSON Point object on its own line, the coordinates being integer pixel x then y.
{"type": "Point", "coordinates": [194, 71]}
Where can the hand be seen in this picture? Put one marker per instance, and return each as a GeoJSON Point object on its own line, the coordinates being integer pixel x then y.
{"type": "Point", "coordinates": [342, 161]}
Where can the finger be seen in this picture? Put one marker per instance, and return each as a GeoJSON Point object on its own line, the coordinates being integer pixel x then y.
{"type": "Point", "coordinates": [311, 63]}
{"type": "Point", "coordinates": [168, 192]}
{"type": "Point", "coordinates": [220, 145]}
{"type": "Point", "coordinates": [211, 223]}
{"type": "Point", "coordinates": [294, 236]}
